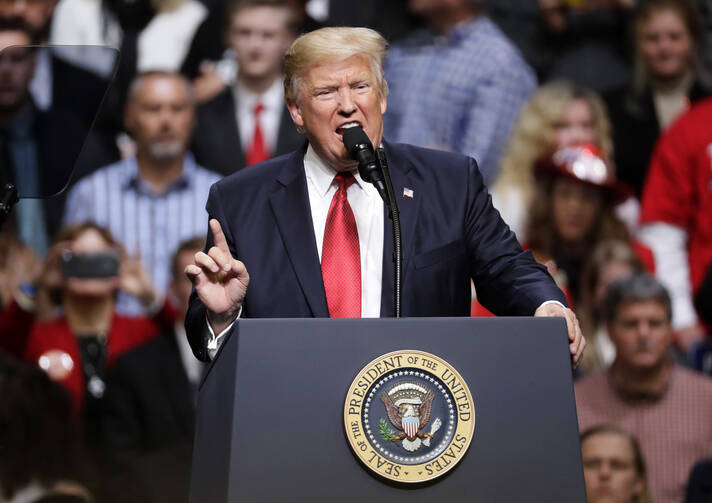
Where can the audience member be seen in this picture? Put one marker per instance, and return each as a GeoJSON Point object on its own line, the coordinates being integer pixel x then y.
{"type": "Point", "coordinates": [675, 214]}
{"type": "Point", "coordinates": [249, 122]}
{"type": "Point", "coordinates": [163, 29]}
{"type": "Point", "coordinates": [93, 23]}
{"type": "Point", "coordinates": [589, 41]}
{"type": "Point", "coordinates": [666, 79]}
{"type": "Point", "coordinates": [609, 261]}
{"type": "Point", "coordinates": [613, 467]}
{"type": "Point", "coordinates": [667, 407]}
{"type": "Point", "coordinates": [77, 347]}
{"type": "Point", "coordinates": [38, 149]}
{"type": "Point", "coordinates": [41, 447]}
{"type": "Point", "coordinates": [573, 211]}
{"type": "Point", "coordinates": [212, 63]}
{"type": "Point", "coordinates": [150, 405]}
{"type": "Point", "coordinates": [56, 81]}
{"type": "Point", "coordinates": [558, 114]}
{"type": "Point", "coordinates": [457, 85]}
{"type": "Point", "coordinates": [155, 200]}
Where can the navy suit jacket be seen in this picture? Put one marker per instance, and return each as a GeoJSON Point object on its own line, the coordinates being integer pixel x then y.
{"type": "Point", "coordinates": [451, 233]}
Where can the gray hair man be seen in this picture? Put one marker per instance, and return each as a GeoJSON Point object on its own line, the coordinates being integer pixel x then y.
{"type": "Point", "coordinates": [645, 392]}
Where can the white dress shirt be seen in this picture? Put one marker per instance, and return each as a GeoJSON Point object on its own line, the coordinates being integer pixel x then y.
{"type": "Point", "coordinates": [368, 211]}
{"type": "Point", "coordinates": [272, 100]}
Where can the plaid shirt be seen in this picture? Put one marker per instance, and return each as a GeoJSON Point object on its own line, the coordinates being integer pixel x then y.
{"type": "Point", "coordinates": [149, 225]}
{"type": "Point", "coordinates": [461, 92]}
{"type": "Point", "coordinates": [674, 429]}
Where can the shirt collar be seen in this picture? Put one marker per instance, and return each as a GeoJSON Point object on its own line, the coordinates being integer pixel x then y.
{"type": "Point", "coordinates": [321, 174]}
{"type": "Point", "coordinates": [132, 180]}
{"type": "Point", "coordinates": [640, 396]}
{"type": "Point", "coordinates": [271, 99]}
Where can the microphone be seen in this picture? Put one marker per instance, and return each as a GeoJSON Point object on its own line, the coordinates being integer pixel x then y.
{"type": "Point", "coordinates": [360, 149]}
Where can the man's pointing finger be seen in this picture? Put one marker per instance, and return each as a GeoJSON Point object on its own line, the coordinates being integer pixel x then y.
{"type": "Point", "coordinates": [219, 236]}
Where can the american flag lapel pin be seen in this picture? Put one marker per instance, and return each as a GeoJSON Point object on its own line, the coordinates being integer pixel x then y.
{"type": "Point", "coordinates": [408, 192]}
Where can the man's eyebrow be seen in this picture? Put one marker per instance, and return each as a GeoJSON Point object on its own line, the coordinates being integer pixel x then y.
{"type": "Point", "coordinates": [327, 85]}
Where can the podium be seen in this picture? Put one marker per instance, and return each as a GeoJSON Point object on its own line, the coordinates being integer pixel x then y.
{"type": "Point", "coordinates": [270, 421]}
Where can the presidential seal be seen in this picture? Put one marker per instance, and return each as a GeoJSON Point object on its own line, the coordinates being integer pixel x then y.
{"type": "Point", "coordinates": [409, 416]}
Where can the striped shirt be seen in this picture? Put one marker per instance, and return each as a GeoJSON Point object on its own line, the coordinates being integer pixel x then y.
{"type": "Point", "coordinates": [148, 224]}
{"type": "Point", "coordinates": [461, 92]}
{"type": "Point", "coordinates": [674, 429]}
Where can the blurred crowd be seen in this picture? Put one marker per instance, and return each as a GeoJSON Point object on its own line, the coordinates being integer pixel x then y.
{"type": "Point", "coordinates": [591, 121]}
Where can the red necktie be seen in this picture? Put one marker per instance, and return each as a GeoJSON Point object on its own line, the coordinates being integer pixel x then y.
{"type": "Point", "coordinates": [340, 255]}
{"type": "Point", "coordinates": [257, 151]}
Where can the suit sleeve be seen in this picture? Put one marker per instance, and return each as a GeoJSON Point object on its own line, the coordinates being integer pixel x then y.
{"type": "Point", "coordinates": [509, 282]}
{"type": "Point", "coordinates": [195, 319]}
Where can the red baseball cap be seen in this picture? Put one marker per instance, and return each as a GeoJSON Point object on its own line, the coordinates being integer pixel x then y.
{"type": "Point", "coordinates": [585, 163]}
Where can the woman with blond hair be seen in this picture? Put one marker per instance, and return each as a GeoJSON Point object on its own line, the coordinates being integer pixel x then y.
{"type": "Point", "coordinates": [558, 114]}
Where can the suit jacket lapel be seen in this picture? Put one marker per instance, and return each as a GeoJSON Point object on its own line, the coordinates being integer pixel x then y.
{"type": "Point", "coordinates": [292, 212]}
{"type": "Point", "coordinates": [400, 177]}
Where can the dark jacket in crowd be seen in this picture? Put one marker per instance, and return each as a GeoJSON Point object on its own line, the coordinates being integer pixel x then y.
{"type": "Point", "coordinates": [149, 422]}
{"type": "Point", "coordinates": [216, 139]}
{"type": "Point", "coordinates": [636, 130]}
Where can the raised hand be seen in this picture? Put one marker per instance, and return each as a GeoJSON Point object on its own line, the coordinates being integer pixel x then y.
{"type": "Point", "coordinates": [219, 280]}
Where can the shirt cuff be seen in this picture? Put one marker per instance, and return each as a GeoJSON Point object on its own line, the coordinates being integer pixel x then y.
{"type": "Point", "coordinates": [214, 341]}
{"type": "Point", "coordinates": [551, 302]}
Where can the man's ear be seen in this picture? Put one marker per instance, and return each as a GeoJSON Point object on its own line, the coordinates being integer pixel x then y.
{"type": "Point", "coordinates": [296, 114]}
{"type": "Point", "coordinates": [384, 104]}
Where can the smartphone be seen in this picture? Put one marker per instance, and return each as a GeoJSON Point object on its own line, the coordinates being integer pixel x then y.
{"type": "Point", "coordinates": [90, 265]}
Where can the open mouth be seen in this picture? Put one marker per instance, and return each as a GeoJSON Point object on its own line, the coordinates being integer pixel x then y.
{"type": "Point", "coordinates": [342, 128]}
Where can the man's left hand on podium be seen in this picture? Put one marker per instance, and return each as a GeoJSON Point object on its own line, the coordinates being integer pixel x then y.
{"type": "Point", "coordinates": [576, 338]}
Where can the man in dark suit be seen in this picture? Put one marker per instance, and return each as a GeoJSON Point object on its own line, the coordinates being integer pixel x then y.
{"type": "Point", "coordinates": [312, 233]}
{"type": "Point", "coordinates": [247, 122]}
{"type": "Point", "coordinates": [150, 407]}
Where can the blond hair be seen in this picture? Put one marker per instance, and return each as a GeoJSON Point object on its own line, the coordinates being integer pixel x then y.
{"type": "Point", "coordinates": [534, 134]}
{"type": "Point", "coordinates": [333, 44]}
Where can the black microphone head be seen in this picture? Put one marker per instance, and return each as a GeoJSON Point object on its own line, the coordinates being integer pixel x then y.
{"type": "Point", "coordinates": [353, 137]}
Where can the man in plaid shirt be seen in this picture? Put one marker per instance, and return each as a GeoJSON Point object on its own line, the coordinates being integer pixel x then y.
{"type": "Point", "coordinates": [667, 407]}
{"type": "Point", "coordinates": [457, 85]}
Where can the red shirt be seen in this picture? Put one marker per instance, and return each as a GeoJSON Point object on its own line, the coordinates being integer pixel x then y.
{"type": "Point", "coordinates": [678, 189]}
